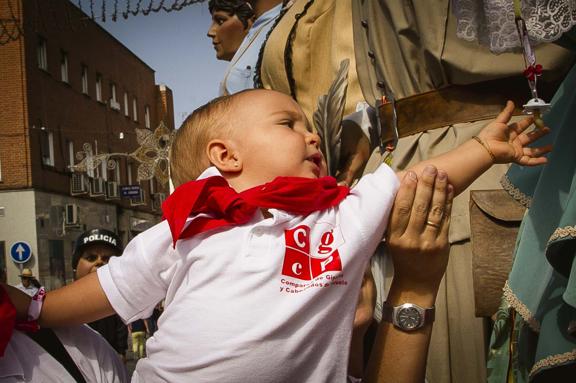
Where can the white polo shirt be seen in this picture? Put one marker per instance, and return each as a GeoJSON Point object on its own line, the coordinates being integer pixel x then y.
{"type": "Point", "coordinates": [269, 301]}
{"type": "Point", "coordinates": [25, 361]}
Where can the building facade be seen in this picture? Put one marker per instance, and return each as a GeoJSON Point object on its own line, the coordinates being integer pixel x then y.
{"type": "Point", "coordinates": [70, 90]}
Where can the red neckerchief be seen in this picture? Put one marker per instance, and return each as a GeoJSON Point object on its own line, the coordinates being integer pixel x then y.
{"type": "Point", "coordinates": [7, 320]}
{"type": "Point", "coordinates": [226, 207]}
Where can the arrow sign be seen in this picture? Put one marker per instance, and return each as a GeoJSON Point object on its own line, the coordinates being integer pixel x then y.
{"type": "Point", "coordinates": [20, 252]}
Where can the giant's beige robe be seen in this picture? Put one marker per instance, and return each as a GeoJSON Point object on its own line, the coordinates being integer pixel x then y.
{"type": "Point", "coordinates": [416, 49]}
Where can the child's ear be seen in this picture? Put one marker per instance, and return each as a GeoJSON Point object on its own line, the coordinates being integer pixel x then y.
{"type": "Point", "coordinates": [223, 155]}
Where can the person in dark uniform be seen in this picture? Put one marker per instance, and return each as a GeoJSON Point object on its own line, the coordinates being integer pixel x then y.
{"type": "Point", "coordinates": [93, 249]}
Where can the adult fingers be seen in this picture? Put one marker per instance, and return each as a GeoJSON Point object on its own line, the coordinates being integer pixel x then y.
{"type": "Point", "coordinates": [447, 212]}
{"type": "Point", "coordinates": [438, 204]}
{"type": "Point", "coordinates": [403, 202]}
{"type": "Point", "coordinates": [422, 200]}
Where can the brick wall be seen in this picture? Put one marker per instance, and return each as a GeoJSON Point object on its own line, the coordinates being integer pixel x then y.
{"type": "Point", "coordinates": [38, 102]}
{"type": "Point", "coordinates": [14, 144]}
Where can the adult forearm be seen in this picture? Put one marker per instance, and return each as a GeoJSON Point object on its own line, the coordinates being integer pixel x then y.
{"type": "Point", "coordinates": [399, 356]}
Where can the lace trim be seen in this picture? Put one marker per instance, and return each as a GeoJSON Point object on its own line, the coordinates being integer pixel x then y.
{"type": "Point", "coordinates": [520, 308]}
{"type": "Point", "coordinates": [524, 199]}
{"type": "Point", "coordinates": [563, 232]}
{"type": "Point", "coordinates": [552, 361]}
{"type": "Point", "coordinates": [491, 22]}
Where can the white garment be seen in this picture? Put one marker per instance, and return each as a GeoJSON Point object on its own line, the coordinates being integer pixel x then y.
{"type": "Point", "coordinates": [492, 22]}
{"type": "Point", "coordinates": [239, 307]}
{"type": "Point", "coordinates": [30, 290]}
{"type": "Point", "coordinates": [240, 72]}
{"type": "Point", "coordinates": [25, 361]}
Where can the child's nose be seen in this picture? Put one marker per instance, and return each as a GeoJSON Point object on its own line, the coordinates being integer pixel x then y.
{"type": "Point", "coordinates": [313, 139]}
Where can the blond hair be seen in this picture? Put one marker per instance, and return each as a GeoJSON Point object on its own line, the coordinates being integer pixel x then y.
{"type": "Point", "coordinates": [188, 157]}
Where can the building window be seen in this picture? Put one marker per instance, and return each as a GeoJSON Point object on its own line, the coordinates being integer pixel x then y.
{"type": "Point", "coordinates": [70, 154]}
{"type": "Point", "coordinates": [104, 170]}
{"type": "Point", "coordinates": [126, 107]}
{"type": "Point", "coordinates": [147, 116]}
{"type": "Point", "coordinates": [116, 171]}
{"type": "Point", "coordinates": [152, 189]}
{"type": "Point", "coordinates": [98, 87]}
{"type": "Point", "coordinates": [135, 109]}
{"type": "Point", "coordinates": [114, 104]}
{"type": "Point", "coordinates": [129, 172]}
{"type": "Point", "coordinates": [64, 67]}
{"type": "Point", "coordinates": [57, 276]}
{"type": "Point", "coordinates": [41, 54]}
{"type": "Point", "coordinates": [84, 79]}
{"type": "Point", "coordinates": [47, 147]}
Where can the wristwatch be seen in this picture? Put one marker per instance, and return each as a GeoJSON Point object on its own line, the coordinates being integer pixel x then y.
{"type": "Point", "coordinates": [408, 317]}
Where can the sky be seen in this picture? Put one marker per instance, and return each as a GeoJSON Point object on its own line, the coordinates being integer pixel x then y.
{"type": "Point", "coordinates": [175, 45]}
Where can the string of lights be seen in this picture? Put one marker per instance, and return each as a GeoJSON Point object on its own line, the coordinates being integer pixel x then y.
{"type": "Point", "coordinates": [11, 26]}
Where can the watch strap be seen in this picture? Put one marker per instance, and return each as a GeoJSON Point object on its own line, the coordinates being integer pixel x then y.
{"type": "Point", "coordinates": [389, 312]}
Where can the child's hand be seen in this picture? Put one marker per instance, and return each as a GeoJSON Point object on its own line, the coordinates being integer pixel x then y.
{"type": "Point", "coordinates": [509, 143]}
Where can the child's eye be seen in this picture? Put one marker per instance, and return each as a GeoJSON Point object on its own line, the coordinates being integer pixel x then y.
{"type": "Point", "coordinates": [288, 123]}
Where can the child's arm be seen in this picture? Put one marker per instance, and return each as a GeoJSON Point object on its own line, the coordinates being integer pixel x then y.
{"type": "Point", "coordinates": [507, 143]}
{"type": "Point", "coordinates": [80, 302]}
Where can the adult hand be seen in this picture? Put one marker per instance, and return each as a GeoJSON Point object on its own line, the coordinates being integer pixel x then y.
{"type": "Point", "coordinates": [418, 229]}
{"type": "Point", "coordinates": [509, 142]}
{"type": "Point", "coordinates": [418, 243]}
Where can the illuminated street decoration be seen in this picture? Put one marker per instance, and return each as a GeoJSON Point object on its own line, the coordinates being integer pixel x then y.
{"type": "Point", "coordinates": [151, 155]}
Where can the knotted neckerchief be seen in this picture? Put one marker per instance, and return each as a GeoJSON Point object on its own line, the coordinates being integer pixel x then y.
{"type": "Point", "coordinates": [7, 320]}
{"type": "Point", "coordinates": [226, 207]}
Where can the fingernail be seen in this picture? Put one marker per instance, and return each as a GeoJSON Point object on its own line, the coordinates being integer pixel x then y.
{"type": "Point", "coordinates": [429, 169]}
{"type": "Point", "coordinates": [411, 176]}
{"type": "Point", "coordinates": [442, 175]}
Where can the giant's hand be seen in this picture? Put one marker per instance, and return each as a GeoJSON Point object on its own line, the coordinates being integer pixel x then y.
{"type": "Point", "coordinates": [354, 153]}
{"type": "Point", "coordinates": [509, 142]}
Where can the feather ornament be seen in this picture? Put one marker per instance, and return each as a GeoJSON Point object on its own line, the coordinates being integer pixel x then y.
{"type": "Point", "coordinates": [328, 117]}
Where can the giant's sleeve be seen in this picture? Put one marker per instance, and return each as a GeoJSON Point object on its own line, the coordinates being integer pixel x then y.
{"type": "Point", "coordinates": [136, 281]}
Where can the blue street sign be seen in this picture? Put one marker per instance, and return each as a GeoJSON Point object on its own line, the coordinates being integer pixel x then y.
{"type": "Point", "coordinates": [130, 191]}
{"type": "Point", "coordinates": [20, 252]}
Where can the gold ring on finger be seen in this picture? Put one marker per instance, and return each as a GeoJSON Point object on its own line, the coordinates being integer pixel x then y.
{"type": "Point", "coordinates": [433, 224]}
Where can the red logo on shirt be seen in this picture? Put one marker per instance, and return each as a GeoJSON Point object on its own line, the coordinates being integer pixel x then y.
{"type": "Point", "coordinates": [298, 263]}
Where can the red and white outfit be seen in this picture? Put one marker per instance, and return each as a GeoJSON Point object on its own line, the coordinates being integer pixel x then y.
{"type": "Point", "coordinates": [268, 301]}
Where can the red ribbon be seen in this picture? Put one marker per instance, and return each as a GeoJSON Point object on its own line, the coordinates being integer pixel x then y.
{"type": "Point", "coordinates": [226, 207]}
{"type": "Point", "coordinates": [532, 71]}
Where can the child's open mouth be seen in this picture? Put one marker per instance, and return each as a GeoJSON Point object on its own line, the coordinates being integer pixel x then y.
{"type": "Point", "coordinates": [316, 159]}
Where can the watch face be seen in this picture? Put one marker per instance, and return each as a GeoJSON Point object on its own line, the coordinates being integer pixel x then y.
{"type": "Point", "coordinates": [408, 318]}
